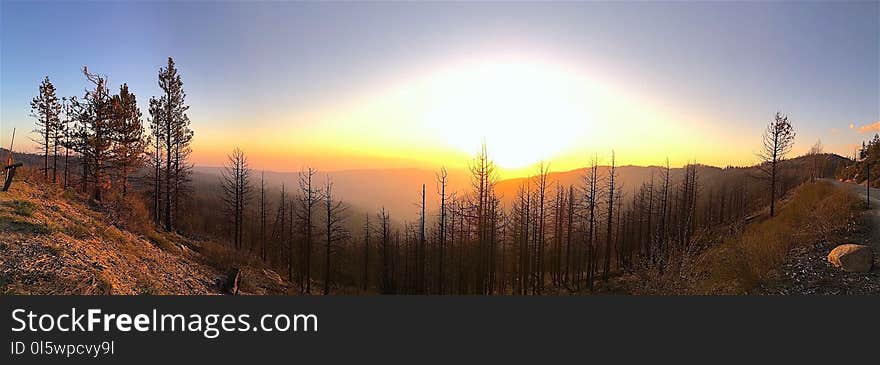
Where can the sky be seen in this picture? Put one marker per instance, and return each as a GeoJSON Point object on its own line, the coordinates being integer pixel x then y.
{"type": "Point", "coordinates": [387, 85]}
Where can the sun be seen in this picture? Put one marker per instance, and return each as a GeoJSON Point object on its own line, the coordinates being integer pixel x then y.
{"type": "Point", "coordinates": [526, 112]}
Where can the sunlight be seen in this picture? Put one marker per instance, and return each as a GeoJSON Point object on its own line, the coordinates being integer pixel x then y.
{"type": "Point", "coordinates": [526, 112]}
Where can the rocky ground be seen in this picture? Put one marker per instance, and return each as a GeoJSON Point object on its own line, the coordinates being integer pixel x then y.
{"type": "Point", "coordinates": [807, 271]}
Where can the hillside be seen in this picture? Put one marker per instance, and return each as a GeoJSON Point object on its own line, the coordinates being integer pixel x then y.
{"type": "Point", "coordinates": [366, 191]}
{"type": "Point", "coordinates": [709, 177]}
{"type": "Point", "coordinates": [52, 243]}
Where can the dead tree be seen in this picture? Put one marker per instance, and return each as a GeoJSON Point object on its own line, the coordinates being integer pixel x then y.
{"type": "Point", "coordinates": [612, 174]}
{"type": "Point", "coordinates": [384, 233]}
{"type": "Point", "coordinates": [777, 141]}
{"type": "Point", "coordinates": [663, 227]}
{"type": "Point", "coordinates": [281, 238]}
{"type": "Point", "coordinates": [441, 229]}
{"type": "Point", "coordinates": [483, 177]}
{"type": "Point", "coordinates": [521, 212]}
{"type": "Point", "coordinates": [591, 187]}
{"type": "Point", "coordinates": [420, 252]}
{"type": "Point", "coordinates": [9, 165]}
{"type": "Point", "coordinates": [366, 267]}
{"type": "Point", "coordinates": [540, 201]}
{"type": "Point", "coordinates": [263, 213]}
{"type": "Point", "coordinates": [235, 183]}
{"type": "Point", "coordinates": [558, 213]}
{"type": "Point", "coordinates": [334, 230]}
{"type": "Point", "coordinates": [817, 160]}
{"type": "Point", "coordinates": [309, 198]}
{"type": "Point", "coordinates": [568, 236]}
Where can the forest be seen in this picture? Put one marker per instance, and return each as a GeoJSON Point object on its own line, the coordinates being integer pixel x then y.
{"type": "Point", "coordinates": [591, 230]}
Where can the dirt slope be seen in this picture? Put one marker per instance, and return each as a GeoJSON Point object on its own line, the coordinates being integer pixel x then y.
{"type": "Point", "coordinates": [50, 243]}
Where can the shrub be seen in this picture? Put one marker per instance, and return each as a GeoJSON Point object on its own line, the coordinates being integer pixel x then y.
{"type": "Point", "coordinates": [815, 212]}
{"type": "Point", "coordinates": [23, 208]}
{"type": "Point", "coordinates": [25, 226]}
{"type": "Point", "coordinates": [160, 241]}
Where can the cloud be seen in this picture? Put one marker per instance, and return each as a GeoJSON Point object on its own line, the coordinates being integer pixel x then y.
{"type": "Point", "coordinates": [873, 127]}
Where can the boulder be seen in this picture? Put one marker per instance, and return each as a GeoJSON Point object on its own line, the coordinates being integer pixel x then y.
{"type": "Point", "coordinates": [852, 257]}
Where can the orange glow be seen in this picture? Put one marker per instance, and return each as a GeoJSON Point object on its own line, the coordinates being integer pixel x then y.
{"type": "Point", "coordinates": [527, 111]}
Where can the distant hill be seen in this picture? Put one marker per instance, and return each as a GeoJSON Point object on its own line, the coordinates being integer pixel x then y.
{"type": "Point", "coordinates": [709, 177]}
{"type": "Point", "coordinates": [398, 190]}
{"type": "Point", "coordinates": [367, 191]}
{"type": "Point", "coordinates": [29, 159]}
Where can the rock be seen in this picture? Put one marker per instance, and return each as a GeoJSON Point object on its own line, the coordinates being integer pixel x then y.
{"type": "Point", "coordinates": [852, 258]}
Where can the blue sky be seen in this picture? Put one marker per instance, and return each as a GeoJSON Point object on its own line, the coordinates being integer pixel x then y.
{"type": "Point", "coordinates": [245, 65]}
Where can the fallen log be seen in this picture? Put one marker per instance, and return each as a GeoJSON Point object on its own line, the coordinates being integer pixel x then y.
{"type": "Point", "coordinates": [10, 173]}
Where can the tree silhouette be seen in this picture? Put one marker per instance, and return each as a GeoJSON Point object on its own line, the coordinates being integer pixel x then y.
{"type": "Point", "coordinates": [540, 201]}
{"type": "Point", "coordinates": [442, 177]}
{"type": "Point", "coordinates": [235, 183]}
{"type": "Point", "coordinates": [334, 230]}
{"type": "Point", "coordinates": [777, 141]}
{"type": "Point", "coordinates": [817, 160]}
{"type": "Point", "coordinates": [95, 114]}
{"type": "Point", "coordinates": [68, 138]}
{"type": "Point", "coordinates": [177, 138]}
{"type": "Point", "coordinates": [263, 214]}
{"type": "Point", "coordinates": [609, 245]}
{"type": "Point", "coordinates": [155, 156]}
{"type": "Point", "coordinates": [127, 135]}
{"type": "Point", "coordinates": [384, 233]}
{"type": "Point", "coordinates": [591, 197]}
{"type": "Point", "coordinates": [309, 198]}
{"type": "Point", "coordinates": [46, 109]}
{"type": "Point", "coordinates": [366, 257]}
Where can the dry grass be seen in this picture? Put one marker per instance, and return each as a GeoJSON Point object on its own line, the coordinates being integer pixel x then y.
{"type": "Point", "coordinates": [814, 213]}
{"type": "Point", "coordinates": [224, 257]}
{"type": "Point", "coordinates": [57, 243]}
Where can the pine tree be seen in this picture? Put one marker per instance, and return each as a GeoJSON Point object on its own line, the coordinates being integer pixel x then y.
{"type": "Point", "coordinates": [46, 109]}
{"type": "Point", "coordinates": [155, 156]}
{"type": "Point", "coordinates": [94, 134]}
{"type": "Point", "coordinates": [127, 135]}
{"type": "Point", "coordinates": [177, 138]}
{"type": "Point", "coordinates": [67, 134]}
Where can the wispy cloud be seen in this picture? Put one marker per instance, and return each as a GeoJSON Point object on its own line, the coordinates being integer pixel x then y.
{"type": "Point", "coordinates": [867, 128]}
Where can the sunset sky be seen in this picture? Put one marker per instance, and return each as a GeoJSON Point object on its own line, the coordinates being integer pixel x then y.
{"type": "Point", "coordinates": [382, 85]}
